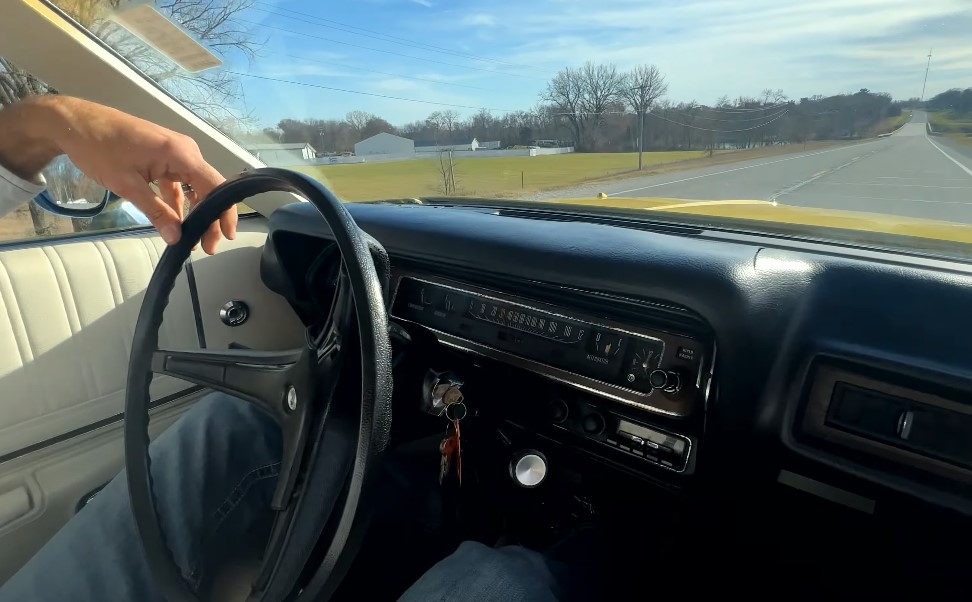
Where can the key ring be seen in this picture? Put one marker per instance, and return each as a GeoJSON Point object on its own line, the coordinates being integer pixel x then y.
{"type": "Point", "coordinates": [456, 411]}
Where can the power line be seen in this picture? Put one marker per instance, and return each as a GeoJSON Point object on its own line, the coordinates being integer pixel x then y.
{"type": "Point", "coordinates": [695, 127]}
{"type": "Point", "coordinates": [420, 79]}
{"type": "Point", "coordinates": [408, 56]}
{"type": "Point", "coordinates": [374, 94]}
{"type": "Point", "coordinates": [383, 37]}
{"type": "Point", "coordinates": [747, 109]}
{"type": "Point", "coordinates": [731, 120]}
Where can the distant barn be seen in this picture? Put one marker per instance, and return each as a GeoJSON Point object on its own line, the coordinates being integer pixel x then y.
{"type": "Point", "coordinates": [384, 144]}
{"type": "Point", "coordinates": [282, 155]}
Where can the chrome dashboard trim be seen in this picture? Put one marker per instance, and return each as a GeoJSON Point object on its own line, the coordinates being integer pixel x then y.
{"type": "Point", "coordinates": [607, 390]}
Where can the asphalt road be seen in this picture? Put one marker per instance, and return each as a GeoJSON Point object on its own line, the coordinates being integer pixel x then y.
{"type": "Point", "coordinates": [907, 173]}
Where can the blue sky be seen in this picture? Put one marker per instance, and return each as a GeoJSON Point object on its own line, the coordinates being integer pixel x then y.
{"type": "Point", "coordinates": [498, 54]}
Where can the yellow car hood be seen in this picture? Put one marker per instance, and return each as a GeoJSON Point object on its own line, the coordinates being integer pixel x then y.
{"type": "Point", "coordinates": [775, 212]}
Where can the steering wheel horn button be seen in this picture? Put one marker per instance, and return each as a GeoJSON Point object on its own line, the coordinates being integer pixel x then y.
{"type": "Point", "coordinates": [234, 313]}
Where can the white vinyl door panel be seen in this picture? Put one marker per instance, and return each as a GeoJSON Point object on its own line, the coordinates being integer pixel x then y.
{"type": "Point", "coordinates": [272, 324]}
{"type": "Point", "coordinates": [67, 315]}
{"type": "Point", "coordinates": [43, 489]}
{"type": "Point", "coordinates": [68, 312]}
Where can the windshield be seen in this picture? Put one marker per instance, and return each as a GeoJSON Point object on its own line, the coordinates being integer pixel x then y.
{"type": "Point", "coordinates": [794, 113]}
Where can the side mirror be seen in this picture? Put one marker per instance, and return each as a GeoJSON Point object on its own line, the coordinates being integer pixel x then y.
{"type": "Point", "coordinates": [70, 193]}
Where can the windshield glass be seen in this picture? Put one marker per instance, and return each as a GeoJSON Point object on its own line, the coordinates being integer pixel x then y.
{"type": "Point", "coordinates": [758, 110]}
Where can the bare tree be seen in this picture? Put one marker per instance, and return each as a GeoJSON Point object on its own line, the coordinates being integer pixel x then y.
{"type": "Point", "coordinates": [641, 88]}
{"type": "Point", "coordinates": [583, 96]}
{"type": "Point", "coordinates": [601, 86]}
{"type": "Point", "coordinates": [483, 123]}
{"type": "Point", "coordinates": [435, 122]}
{"type": "Point", "coordinates": [450, 121]}
{"type": "Point", "coordinates": [447, 169]}
{"type": "Point", "coordinates": [565, 92]}
{"type": "Point", "coordinates": [358, 120]}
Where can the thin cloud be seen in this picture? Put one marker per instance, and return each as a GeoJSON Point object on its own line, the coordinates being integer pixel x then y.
{"type": "Point", "coordinates": [424, 3]}
{"type": "Point", "coordinates": [479, 19]}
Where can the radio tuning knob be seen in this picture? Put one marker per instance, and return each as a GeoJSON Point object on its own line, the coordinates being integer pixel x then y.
{"type": "Point", "coordinates": [593, 423]}
{"type": "Point", "coordinates": [559, 411]}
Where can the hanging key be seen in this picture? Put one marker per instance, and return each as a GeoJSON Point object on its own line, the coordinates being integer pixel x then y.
{"type": "Point", "coordinates": [458, 450]}
{"type": "Point", "coordinates": [447, 447]}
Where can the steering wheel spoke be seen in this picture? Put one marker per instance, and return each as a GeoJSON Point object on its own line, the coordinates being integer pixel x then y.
{"type": "Point", "coordinates": [276, 381]}
{"type": "Point", "coordinates": [281, 383]}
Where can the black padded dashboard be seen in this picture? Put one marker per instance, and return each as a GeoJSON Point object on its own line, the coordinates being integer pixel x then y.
{"type": "Point", "coordinates": [776, 309]}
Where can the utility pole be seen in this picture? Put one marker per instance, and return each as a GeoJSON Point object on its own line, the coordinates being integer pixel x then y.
{"type": "Point", "coordinates": [927, 66]}
{"type": "Point", "coordinates": [641, 137]}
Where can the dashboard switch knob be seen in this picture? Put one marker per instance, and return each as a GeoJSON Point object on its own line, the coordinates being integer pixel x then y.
{"type": "Point", "coordinates": [593, 423]}
{"type": "Point", "coordinates": [668, 381]}
{"type": "Point", "coordinates": [674, 383]}
{"type": "Point", "coordinates": [658, 379]}
{"type": "Point", "coordinates": [528, 468]}
{"type": "Point", "coordinates": [559, 411]}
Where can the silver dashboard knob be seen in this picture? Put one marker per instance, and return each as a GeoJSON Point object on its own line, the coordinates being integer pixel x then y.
{"type": "Point", "coordinates": [528, 468]}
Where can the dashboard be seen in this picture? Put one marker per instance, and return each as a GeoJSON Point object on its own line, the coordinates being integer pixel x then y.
{"type": "Point", "coordinates": [703, 358]}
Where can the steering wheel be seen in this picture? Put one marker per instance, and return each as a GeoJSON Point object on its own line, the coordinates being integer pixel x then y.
{"type": "Point", "coordinates": [331, 437]}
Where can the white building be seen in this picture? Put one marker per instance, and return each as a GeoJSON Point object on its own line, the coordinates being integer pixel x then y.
{"type": "Point", "coordinates": [384, 144]}
{"type": "Point", "coordinates": [448, 147]}
{"type": "Point", "coordinates": [282, 155]}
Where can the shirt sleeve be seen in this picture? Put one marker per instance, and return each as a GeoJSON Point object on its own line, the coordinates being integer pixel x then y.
{"type": "Point", "coordinates": [16, 191]}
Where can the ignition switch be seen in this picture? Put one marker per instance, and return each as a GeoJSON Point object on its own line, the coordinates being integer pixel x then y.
{"type": "Point", "coordinates": [439, 391]}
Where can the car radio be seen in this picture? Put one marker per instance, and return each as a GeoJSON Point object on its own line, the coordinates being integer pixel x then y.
{"type": "Point", "coordinates": [653, 370]}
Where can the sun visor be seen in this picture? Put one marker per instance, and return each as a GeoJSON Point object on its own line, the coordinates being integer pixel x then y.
{"type": "Point", "coordinates": [156, 30]}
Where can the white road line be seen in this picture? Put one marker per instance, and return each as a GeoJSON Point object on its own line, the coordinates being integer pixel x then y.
{"type": "Point", "coordinates": [817, 176]}
{"type": "Point", "coordinates": [719, 173]}
{"type": "Point", "coordinates": [917, 178]}
{"type": "Point", "coordinates": [884, 198]}
{"type": "Point", "coordinates": [948, 156]}
{"type": "Point", "coordinates": [896, 185]}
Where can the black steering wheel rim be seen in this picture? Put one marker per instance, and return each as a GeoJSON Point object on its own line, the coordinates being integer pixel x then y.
{"type": "Point", "coordinates": [376, 386]}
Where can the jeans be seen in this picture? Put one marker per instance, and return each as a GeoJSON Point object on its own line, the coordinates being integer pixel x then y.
{"type": "Point", "coordinates": [215, 470]}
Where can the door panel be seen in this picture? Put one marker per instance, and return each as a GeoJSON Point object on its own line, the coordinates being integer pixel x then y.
{"type": "Point", "coordinates": [54, 479]}
{"type": "Point", "coordinates": [67, 315]}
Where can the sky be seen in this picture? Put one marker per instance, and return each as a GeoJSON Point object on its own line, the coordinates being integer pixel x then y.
{"type": "Point", "coordinates": [335, 57]}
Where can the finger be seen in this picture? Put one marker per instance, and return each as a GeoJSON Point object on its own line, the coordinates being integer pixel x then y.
{"type": "Point", "coordinates": [161, 214]}
{"type": "Point", "coordinates": [228, 221]}
{"type": "Point", "coordinates": [202, 176]}
{"type": "Point", "coordinates": [211, 238]}
{"type": "Point", "coordinates": [172, 195]}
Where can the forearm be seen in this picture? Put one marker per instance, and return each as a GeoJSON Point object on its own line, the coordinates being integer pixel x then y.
{"type": "Point", "coordinates": [28, 134]}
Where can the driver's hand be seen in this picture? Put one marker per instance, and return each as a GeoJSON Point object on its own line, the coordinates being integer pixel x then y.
{"type": "Point", "coordinates": [125, 154]}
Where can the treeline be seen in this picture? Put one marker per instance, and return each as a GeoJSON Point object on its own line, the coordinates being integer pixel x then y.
{"type": "Point", "coordinates": [956, 100]}
{"type": "Point", "coordinates": [599, 108]}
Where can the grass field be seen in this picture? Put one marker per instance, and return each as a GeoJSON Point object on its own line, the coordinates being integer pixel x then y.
{"type": "Point", "coordinates": [491, 176]}
{"type": "Point", "coordinates": [951, 122]}
{"type": "Point", "coordinates": [889, 124]}
{"type": "Point", "coordinates": [956, 126]}
{"type": "Point", "coordinates": [501, 176]}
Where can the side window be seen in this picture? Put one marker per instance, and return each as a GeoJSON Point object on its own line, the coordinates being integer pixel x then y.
{"type": "Point", "coordinates": [64, 181]}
